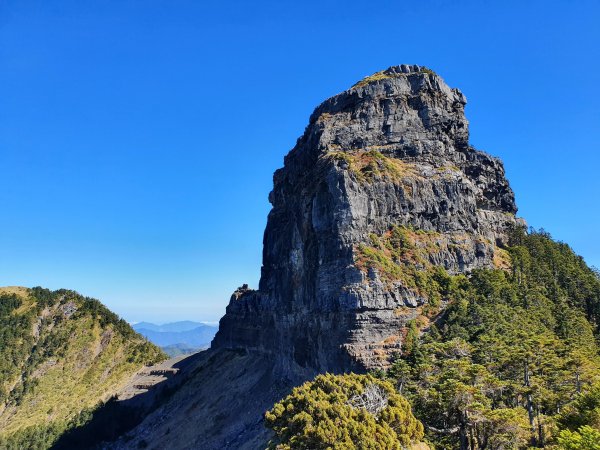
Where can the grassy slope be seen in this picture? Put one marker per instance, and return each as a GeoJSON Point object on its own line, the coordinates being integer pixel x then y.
{"type": "Point", "coordinates": [60, 354]}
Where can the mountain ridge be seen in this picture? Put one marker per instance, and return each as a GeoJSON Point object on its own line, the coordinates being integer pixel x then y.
{"type": "Point", "coordinates": [199, 337]}
{"type": "Point", "coordinates": [390, 152]}
{"type": "Point", "coordinates": [61, 355]}
{"type": "Point", "coordinates": [380, 198]}
{"type": "Point", "coordinates": [181, 325]}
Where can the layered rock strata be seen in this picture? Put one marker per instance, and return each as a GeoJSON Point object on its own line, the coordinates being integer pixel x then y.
{"type": "Point", "coordinates": [380, 195]}
{"type": "Point", "coordinates": [392, 151]}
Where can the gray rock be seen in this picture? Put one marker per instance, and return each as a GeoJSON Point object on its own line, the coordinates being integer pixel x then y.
{"type": "Point", "coordinates": [315, 310]}
{"type": "Point", "coordinates": [391, 151]}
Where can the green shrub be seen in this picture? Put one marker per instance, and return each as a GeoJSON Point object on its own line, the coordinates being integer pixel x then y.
{"type": "Point", "coordinates": [343, 412]}
{"type": "Point", "coordinates": [586, 438]}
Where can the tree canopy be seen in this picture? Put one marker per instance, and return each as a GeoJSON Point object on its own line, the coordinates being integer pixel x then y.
{"type": "Point", "coordinates": [510, 354]}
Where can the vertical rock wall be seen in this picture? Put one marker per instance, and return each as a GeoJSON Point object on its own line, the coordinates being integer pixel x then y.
{"type": "Point", "coordinates": [390, 153]}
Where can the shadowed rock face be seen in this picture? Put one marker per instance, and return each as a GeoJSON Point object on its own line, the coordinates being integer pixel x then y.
{"type": "Point", "coordinates": [384, 165]}
{"type": "Point", "coordinates": [392, 151]}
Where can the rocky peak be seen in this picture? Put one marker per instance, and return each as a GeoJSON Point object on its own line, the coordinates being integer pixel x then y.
{"type": "Point", "coordinates": [407, 107]}
{"type": "Point", "coordinates": [404, 112]}
{"type": "Point", "coordinates": [381, 193]}
{"type": "Point", "coordinates": [383, 164]}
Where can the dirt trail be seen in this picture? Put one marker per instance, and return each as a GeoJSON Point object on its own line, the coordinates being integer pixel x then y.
{"type": "Point", "coordinates": [148, 377]}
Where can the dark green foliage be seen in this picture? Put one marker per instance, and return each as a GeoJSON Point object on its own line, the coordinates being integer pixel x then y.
{"type": "Point", "coordinates": [511, 352]}
{"type": "Point", "coordinates": [15, 340]}
{"type": "Point", "coordinates": [557, 272]}
{"type": "Point", "coordinates": [42, 437]}
{"type": "Point", "coordinates": [85, 306]}
{"type": "Point", "coordinates": [512, 363]}
{"type": "Point", "coordinates": [46, 297]}
{"type": "Point", "coordinates": [584, 410]}
{"type": "Point", "coordinates": [8, 303]}
{"type": "Point", "coordinates": [105, 316]}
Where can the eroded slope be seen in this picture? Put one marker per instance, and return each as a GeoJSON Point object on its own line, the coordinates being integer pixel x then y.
{"type": "Point", "coordinates": [60, 354]}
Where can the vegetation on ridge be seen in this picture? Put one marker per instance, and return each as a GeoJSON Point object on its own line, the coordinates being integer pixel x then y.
{"type": "Point", "coordinates": [61, 355]}
{"type": "Point", "coordinates": [510, 355]}
{"type": "Point", "coordinates": [368, 165]}
{"type": "Point", "coordinates": [402, 255]}
{"type": "Point", "coordinates": [384, 74]}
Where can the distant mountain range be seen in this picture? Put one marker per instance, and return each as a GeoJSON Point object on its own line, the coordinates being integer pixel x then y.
{"type": "Point", "coordinates": [178, 337]}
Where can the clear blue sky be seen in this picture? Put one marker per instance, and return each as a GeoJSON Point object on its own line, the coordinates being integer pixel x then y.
{"type": "Point", "coordinates": [138, 138]}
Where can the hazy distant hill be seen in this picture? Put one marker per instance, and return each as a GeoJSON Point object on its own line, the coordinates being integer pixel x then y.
{"type": "Point", "coordinates": [178, 337]}
{"type": "Point", "coordinates": [184, 325]}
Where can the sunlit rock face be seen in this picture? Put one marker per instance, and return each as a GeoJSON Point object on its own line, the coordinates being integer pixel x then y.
{"type": "Point", "coordinates": [380, 195]}
{"type": "Point", "coordinates": [382, 183]}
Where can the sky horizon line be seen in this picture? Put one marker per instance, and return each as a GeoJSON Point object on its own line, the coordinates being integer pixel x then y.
{"type": "Point", "coordinates": [139, 141]}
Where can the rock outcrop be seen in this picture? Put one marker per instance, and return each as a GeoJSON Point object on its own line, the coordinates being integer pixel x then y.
{"type": "Point", "coordinates": [392, 152]}
{"type": "Point", "coordinates": [381, 195]}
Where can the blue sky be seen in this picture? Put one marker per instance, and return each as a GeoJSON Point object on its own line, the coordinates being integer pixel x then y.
{"type": "Point", "coordinates": [138, 138]}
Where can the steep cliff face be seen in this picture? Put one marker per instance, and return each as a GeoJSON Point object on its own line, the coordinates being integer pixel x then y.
{"type": "Point", "coordinates": [382, 188]}
{"type": "Point", "coordinates": [379, 198]}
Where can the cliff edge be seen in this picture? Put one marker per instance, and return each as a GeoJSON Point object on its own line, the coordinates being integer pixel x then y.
{"type": "Point", "coordinates": [387, 160]}
{"type": "Point", "coordinates": [380, 198]}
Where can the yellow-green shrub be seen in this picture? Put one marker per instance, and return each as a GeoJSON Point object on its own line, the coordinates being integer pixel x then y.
{"type": "Point", "coordinates": [325, 414]}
